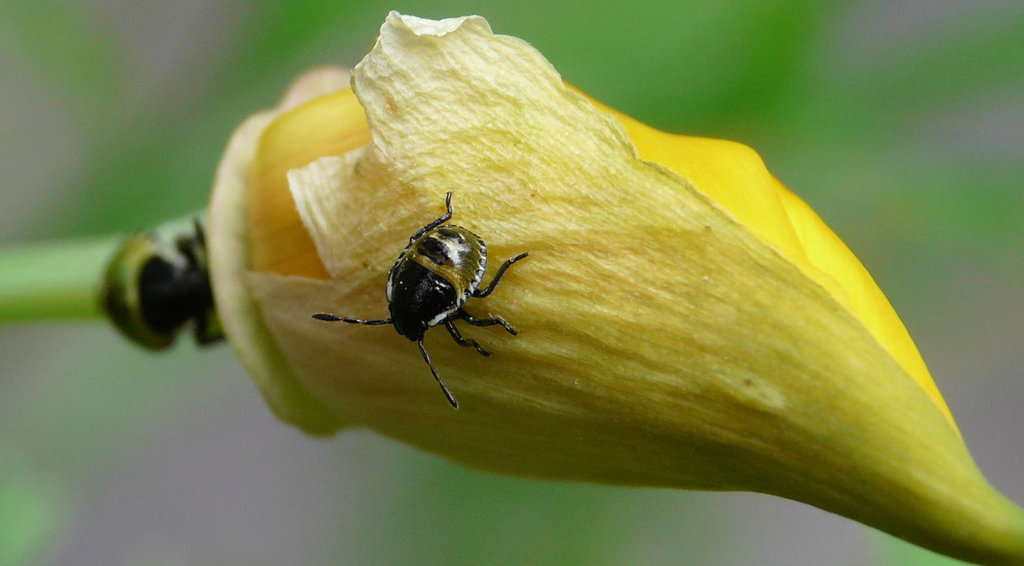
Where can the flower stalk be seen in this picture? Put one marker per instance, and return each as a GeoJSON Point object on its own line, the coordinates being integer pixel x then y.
{"type": "Point", "coordinates": [53, 280]}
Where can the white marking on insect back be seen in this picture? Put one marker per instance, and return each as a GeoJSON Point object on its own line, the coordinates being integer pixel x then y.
{"type": "Point", "coordinates": [453, 247]}
{"type": "Point", "coordinates": [482, 266]}
{"type": "Point", "coordinates": [441, 317]}
{"type": "Point", "coordinates": [391, 275]}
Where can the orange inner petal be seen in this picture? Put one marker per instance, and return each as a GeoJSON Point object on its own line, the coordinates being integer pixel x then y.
{"type": "Point", "coordinates": [330, 125]}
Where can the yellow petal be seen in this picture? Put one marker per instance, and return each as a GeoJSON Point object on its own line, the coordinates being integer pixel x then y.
{"type": "Point", "coordinates": [734, 176]}
{"type": "Point", "coordinates": [684, 321]}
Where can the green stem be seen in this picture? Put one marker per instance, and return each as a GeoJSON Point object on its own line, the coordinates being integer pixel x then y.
{"type": "Point", "coordinates": [53, 280]}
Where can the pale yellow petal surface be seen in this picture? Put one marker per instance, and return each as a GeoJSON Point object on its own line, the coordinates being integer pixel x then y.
{"type": "Point", "coordinates": [731, 174]}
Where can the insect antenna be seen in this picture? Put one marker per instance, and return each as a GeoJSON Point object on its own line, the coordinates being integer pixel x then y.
{"type": "Point", "coordinates": [328, 317]}
{"type": "Point", "coordinates": [426, 358]}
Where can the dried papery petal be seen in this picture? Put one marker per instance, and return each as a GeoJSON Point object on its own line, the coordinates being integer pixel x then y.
{"type": "Point", "coordinates": [706, 333]}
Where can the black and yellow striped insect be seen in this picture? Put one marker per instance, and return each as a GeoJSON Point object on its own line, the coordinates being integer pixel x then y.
{"type": "Point", "coordinates": [440, 269]}
{"type": "Point", "coordinates": [158, 282]}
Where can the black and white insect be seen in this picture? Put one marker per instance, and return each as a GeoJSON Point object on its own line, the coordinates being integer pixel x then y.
{"type": "Point", "coordinates": [441, 267]}
{"type": "Point", "coordinates": [156, 283]}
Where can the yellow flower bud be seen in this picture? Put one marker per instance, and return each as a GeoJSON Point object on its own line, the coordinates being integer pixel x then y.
{"type": "Point", "coordinates": [684, 320]}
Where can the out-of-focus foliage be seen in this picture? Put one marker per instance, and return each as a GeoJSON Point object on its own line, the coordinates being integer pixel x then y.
{"type": "Point", "coordinates": [902, 124]}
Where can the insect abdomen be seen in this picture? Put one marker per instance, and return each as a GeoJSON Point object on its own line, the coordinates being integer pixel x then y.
{"type": "Point", "coordinates": [455, 254]}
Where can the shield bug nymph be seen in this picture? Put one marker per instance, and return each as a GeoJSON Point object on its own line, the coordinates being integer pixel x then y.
{"type": "Point", "coordinates": [437, 272]}
{"type": "Point", "coordinates": [158, 282]}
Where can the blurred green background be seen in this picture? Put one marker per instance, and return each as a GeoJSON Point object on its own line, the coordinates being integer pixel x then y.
{"type": "Point", "coordinates": [901, 123]}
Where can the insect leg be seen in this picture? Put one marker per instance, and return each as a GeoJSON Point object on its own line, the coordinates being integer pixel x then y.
{"type": "Point", "coordinates": [186, 247]}
{"type": "Point", "coordinates": [426, 358]}
{"type": "Point", "coordinates": [193, 248]}
{"type": "Point", "coordinates": [464, 341]}
{"type": "Point", "coordinates": [485, 321]}
{"type": "Point", "coordinates": [207, 328]}
{"type": "Point", "coordinates": [497, 276]}
{"type": "Point", "coordinates": [328, 317]}
{"type": "Point", "coordinates": [440, 220]}
{"type": "Point", "coordinates": [197, 225]}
